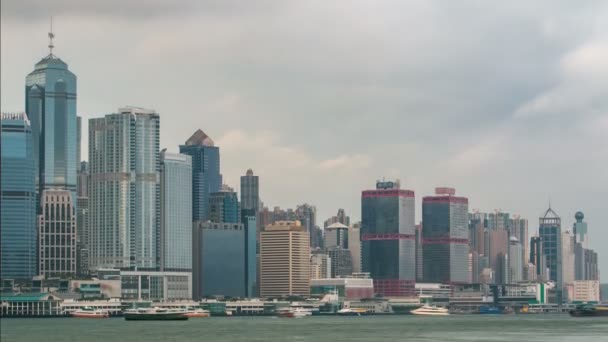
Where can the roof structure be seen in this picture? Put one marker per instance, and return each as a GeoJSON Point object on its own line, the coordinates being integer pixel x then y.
{"type": "Point", "coordinates": [336, 226]}
{"type": "Point", "coordinates": [200, 138]}
{"type": "Point", "coordinates": [550, 214]}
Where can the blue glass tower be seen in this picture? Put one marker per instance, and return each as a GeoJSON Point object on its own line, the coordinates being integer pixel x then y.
{"type": "Point", "coordinates": [206, 177]}
{"type": "Point", "coordinates": [18, 215]}
{"type": "Point", "coordinates": [224, 207]}
{"type": "Point", "coordinates": [50, 101]}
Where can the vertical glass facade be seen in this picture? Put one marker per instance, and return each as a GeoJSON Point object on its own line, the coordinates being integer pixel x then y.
{"type": "Point", "coordinates": [224, 207]}
{"type": "Point", "coordinates": [124, 189]}
{"type": "Point", "coordinates": [550, 232]}
{"type": "Point", "coordinates": [57, 234]}
{"type": "Point", "coordinates": [18, 232]}
{"type": "Point", "coordinates": [387, 237]}
{"type": "Point", "coordinates": [176, 212]}
{"type": "Point", "coordinates": [251, 262]}
{"type": "Point", "coordinates": [50, 92]}
{"type": "Point", "coordinates": [250, 192]}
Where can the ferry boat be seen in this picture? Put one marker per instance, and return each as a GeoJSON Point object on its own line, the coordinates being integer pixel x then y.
{"type": "Point", "coordinates": [197, 313]}
{"type": "Point", "coordinates": [428, 310]}
{"type": "Point", "coordinates": [88, 312]}
{"type": "Point", "coordinates": [489, 310]}
{"type": "Point", "coordinates": [600, 310]}
{"type": "Point", "coordinates": [352, 312]}
{"type": "Point", "coordinates": [155, 314]}
{"type": "Point", "coordinates": [293, 313]}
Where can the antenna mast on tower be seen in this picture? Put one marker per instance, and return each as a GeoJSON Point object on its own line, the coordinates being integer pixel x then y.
{"type": "Point", "coordinates": [51, 36]}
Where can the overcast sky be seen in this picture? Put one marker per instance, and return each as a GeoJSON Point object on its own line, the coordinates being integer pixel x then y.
{"type": "Point", "coordinates": [505, 100]}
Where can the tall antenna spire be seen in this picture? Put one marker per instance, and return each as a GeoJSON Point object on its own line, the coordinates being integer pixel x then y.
{"type": "Point", "coordinates": [51, 36]}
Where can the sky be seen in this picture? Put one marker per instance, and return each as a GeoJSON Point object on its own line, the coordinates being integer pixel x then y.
{"type": "Point", "coordinates": [507, 101]}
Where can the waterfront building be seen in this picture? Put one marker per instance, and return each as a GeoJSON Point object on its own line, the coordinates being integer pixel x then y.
{"type": "Point", "coordinates": [50, 103]}
{"type": "Point", "coordinates": [354, 245]}
{"type": "Point", "coordinates": [124, 190]}
{"type": "Point", "coordinates": [584, 291]}
{"type": "Point", "coordinates": [206, 177]}
{"type": "Point", "coordinates": [18, 232]}
{"type": "Point", "coordinates": [224, 207]}
{"type": "Point", "coordinates": [218, 259]}
{"type": "Point", "coordinates": [175, 212]}
{"type": "Point", "coordinates": [516, 266]}
{"type": "Point", "coordinates": [320, 265]}
{"type": "Point", "coordinates": [387, 238]}
{"type": "Point", "coordinates": [155, 285]}
{"type": "Point", "coordinates": [347, 289]}
{"type": "Point", "coordinates": [30, 305]}
{"type": "Point", "coordinates": [341, 262]}
{"type": "Point", "coordinates": [336, 235]}
{"type": "Point", "coordinates": [550, 232]}
{"type": "Point", "coordinates": [284, 260]}
{"type": "Point", "coordinates": [57, 234]}
{"type": "Point", "coordinates": [445, 237]}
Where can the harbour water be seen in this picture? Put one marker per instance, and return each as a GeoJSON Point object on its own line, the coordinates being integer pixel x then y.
{"type": "Point", "coordinates": [538, 328]}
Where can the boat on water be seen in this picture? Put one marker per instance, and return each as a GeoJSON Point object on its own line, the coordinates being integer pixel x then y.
{"type": "Point", "coordinates": [155, 314]}
{"type": "Point", "coordinates": [489, 310]}
{"type": "Point", "coordinates": [352, 312]}
{"type": "Point", "coordinates": [88, 312]}
{"type": "Point", "coordinates": [600, 310]}
{"type": "Point", "coordinates": [192, 313]}
{"type": "Point", "coordinates": [428, 310]}
{"type": "Point", "coordinates": [293, 312]}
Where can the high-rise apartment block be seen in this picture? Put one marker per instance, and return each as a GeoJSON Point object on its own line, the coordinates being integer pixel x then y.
{"type": "Point", "coordinates": [206, 177]}
{"type": "Point", "coordinates": [387, 237]}
{"type": "Point", "coordinates": [445, 237]}
{"type": "Point", "coordinates": [124, 193]}
{"type": "Point", "coordinates": [18, 232]}
{"type": "Point", "coordinates": [57, 234]}
{"type": "Point", "coordinates": [284, 260]}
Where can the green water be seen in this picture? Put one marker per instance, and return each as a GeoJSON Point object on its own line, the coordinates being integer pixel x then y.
{"type": "Point", "coordinates": [379, 328]}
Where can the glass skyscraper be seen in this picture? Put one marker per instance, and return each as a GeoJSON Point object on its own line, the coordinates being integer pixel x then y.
{"type": "Point", "coordinates": [18, 233]}
{"type": "Point", "coordinates": [176, 212]}
{"type": "Point", "coordinates": [206, 177]}
{"type": "Point", "coordinates": [50, 102]}
{"type": "Point", "coordinates": [124, 190]}
{"type": "Point", "coordinates": [387, 237]}
{"type": "Point", "coordinates": [224, 207]}
{"type": "Point", "coordinates": [550, 232]}
{"type": "Point", "coordinates": [445, 238]}
{"type": "Point", "coordinates": [250, 193]}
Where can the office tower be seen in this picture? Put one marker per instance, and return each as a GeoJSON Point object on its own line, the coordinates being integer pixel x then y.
{"type": "Point", "coordinates": [387, 238]}
{"type": "Point", "coordinates": [341, 261]}
{"type": "Point", "coordinates": [499, 248]}
{"type": "Point", "coordinates": [419, 264]}
{"type": "Point", "coordinates": [50, 103]}
{"type": "Point", "coordinates": [538, 259]}
{"type": "Point", "coordinates": [18, 232]}
{"type": "Point", "coordinates": [550, 231]}
{"type": "Point", "coordinates": [580, 228]}
{"type": "Point", "coordinates": [82, 220]}
{"type": "Point", "coordinates": [284, 260]}
{"type": "Point", "coordinates": [498, 220]}
{"type": "Point", "coordinates": [124, 190]}
{"type": "Point", "coordinates": [218, 259]}
{"type": "Point", "coordinates": [519, 229]}
{"type": "Point", "coordinates": [175, 212]}
{"type": "Point", "coordinates": [568, 259]}
{"type": "Point", "coordinates": [336, 235]}
{"type": "Point", "coordinates": [445, 237]}
{"type": "Point", "coordinates": [474, 269]}
{"type": "Point", "coordinates": [78, 145]}
{"type": "Point", "coordinates": [206, 177]}
{"type": "Point", "coordinates": [516, 266]}
{"type": "Point", "coordinates": [224, 207]}
{"type": "Point", "coordinates": [339, 218]}
{"type": "Point", "coordinates": [307, 215]}
{"type": "Point", "coordinates": [251, 257]}
{"type": "Point", "coordinates": [250, 193]}
{"type": "Point", "coordinates": [57, 234]}
{"type": "Point", "coordinates": [320, 265]}
{"type": "Point", "coordinates": [585, 259]}
{"type": "Point", "coordinates": [354, 245]}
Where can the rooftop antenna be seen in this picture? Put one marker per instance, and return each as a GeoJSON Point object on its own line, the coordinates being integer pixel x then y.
{"type": "Point", "coordinates": [51, 36]}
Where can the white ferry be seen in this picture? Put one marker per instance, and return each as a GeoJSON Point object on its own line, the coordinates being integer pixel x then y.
{"type": "Point", "coordinates": [428, 310]}
{"type": "Point", "coordinates": [88, 312]}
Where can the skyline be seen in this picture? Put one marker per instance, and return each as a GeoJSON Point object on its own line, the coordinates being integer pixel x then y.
{"type": "Point", "coordinates": [332, 161]}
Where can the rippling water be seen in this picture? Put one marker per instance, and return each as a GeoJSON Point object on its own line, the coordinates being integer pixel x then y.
{"type": "Point", "coordinates": [510, 328]}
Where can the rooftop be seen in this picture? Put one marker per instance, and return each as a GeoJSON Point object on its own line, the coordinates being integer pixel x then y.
{"type": "Point", "coordinates": [199, 138]}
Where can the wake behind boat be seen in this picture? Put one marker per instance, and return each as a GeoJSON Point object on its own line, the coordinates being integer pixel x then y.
{"type": "Point", "coordinates": [155, 314]}
{"type": "Point", "coordinates": [428, 310]}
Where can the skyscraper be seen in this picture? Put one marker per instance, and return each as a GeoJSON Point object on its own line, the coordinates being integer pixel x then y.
{"type": "Point", "coordinates": [445, 237]}
{"type": "Point", "coordinates": [250, 193]}
{"type": "Point", "coordinates": [18, 232]}
{"type": "Point", "coordinates": [57, 234]}
{"type": "Point", "coordinates": [387, 238]}
{"type": "Point", "coordinates": [224, 207]}
{"type": "Point", "coordinates": [585, 259]}
{"type": "Point", "coordinates": [124, 193]}
{"type": "Point", "coordinates": [516, 266]}
{"type": "Point", "coordinates": [354, 245]}
{"type": "Point", "coordinates": [176, 212]}
{"type": "Point", "coordinates": [336, 235]}
{"type": "Point", "coordinates": [82, 220]}
{"type": "Point", "coordinates": [250, 214]}
{"type": "Point", "coordinates": [538, 259]}
{"type": "Point", "coordinates": [550, 231]}
{"type": "Point", "coordinates": [307, 215]}
{"type": "Point", "coordinates": [284, 260]}
{"type": "Point", "coordinates": [50, 101]}
{"type": "Point", "coordinates": [206, 177]}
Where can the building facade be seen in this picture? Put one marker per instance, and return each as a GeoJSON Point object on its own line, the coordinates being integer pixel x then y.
{"type": "Point", "coordinates": [206, 177]}
{"type": "Point", "coordinates": [445, 237]}
{"type": "Point", "coordinates": [155, 285]}
{"type": "Point", "coordinates": [82, 218]}
{"type": "Point", "coordinates": [175, 212]}
{"type": "Point", "coordinates": [18, 232]}
{"type": "Point", "coordinates": [550, 232]}
{"type": "Point", "coordinates": [218, 259]}
{"type": "Point", "coordinates": [387, 238]}
{"type": "Point", "coordinates": [284, 260]}
{"type": "Point", "coordinates": [224, 207]}
{"type": "Point", "coordinates": [336, 235]}
{"type": "Point", "coordinates": [341, 262]}
{"type": "Point", "coordinates": [124, 190]}
{"type": "Point", "coordinates": [516, 263]}
{"type": "Point", "coordinates": [57, 234]}
{"type": "Point", "coordinates": [250, 192]}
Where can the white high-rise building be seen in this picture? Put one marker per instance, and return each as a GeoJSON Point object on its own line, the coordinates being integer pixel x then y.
{"type": "Point", "coordinates": [516, 265]}
{"type": "Point", "coordinates": [176, 212]}
{"type": "Point", "coordinates": [124, 190]}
